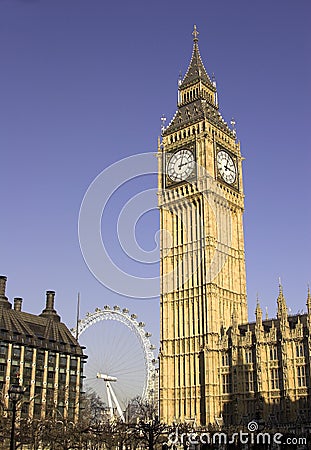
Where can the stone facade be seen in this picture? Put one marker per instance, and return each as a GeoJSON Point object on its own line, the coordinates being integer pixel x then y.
{"type": "Point", "coordinates": [39, 353]}
{"type": "Point", "coordinates": [264, 369]}
{"type": "Point", "coordinates": [214, 365]}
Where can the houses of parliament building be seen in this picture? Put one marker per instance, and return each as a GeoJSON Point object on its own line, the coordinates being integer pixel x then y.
{"type": "Point", "coordinates": [215, 366]}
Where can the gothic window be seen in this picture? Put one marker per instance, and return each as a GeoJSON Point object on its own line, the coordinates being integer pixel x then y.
{"type": "Point", "coordinates": [225, 359]}
{"type": "Point", "coordinates": [303, 406]}
{"type": "Point", "coordinates": [273, 353]}
{"type": "Point", "coordinates": [248, 356]}
{"type": "Point", "coordinates": [300, 350]}
{"type": "Point", "coordinates": [274, 378]}
{"type": "Point", "coordinates": [301, 376]}
{"type": "Point", "coordinates": [226, 383]}
{"type": "Point", "coordinates": [249, 385]}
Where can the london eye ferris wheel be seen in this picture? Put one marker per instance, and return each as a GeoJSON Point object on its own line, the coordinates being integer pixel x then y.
{"type": "Point", "coordinates": [121, 363]}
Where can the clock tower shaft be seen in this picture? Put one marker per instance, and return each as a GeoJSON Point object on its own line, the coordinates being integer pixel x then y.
{"type": "Point", "coordinates": [203, 282]}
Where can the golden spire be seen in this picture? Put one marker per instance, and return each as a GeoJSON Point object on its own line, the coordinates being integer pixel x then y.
{"type": "Point", "coordinates": [258, 312]}
{"type": "Point", "coordinates": [282, 307]}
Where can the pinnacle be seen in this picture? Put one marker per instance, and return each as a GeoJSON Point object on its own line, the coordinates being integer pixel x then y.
{"type": "Point", "coordinates": [196, 70]}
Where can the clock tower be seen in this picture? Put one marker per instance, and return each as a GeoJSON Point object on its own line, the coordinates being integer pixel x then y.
{"type": "Point", "coordinates": [203, 285]}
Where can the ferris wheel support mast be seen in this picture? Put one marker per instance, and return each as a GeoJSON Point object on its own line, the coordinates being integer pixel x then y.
{"type": "Point", "coordinates": [111, 395]}
{"type": "Point", "coordinates": [109, 399]}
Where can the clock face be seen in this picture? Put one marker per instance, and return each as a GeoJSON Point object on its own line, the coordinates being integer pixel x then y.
{"type": "Point", "coordinates": [180, 166]}
{"type": "Point", "coordinates": [226, 167]}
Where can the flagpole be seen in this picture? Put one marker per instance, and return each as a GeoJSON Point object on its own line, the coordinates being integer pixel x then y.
{"type": "Point", "coordinates": [78, 316]}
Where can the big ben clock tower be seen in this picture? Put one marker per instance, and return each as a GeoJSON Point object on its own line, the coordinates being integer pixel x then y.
{"type": "Point", "coordinates": [203, 286]}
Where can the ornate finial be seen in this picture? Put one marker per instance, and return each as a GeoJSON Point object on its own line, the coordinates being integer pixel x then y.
{"type": "Point", "coordinates": [195, 34]}
{"type": "Point", "coordinates": [180, 78]}
{"type": "Point", "coordinates": [163, 120]}
{"type": "Point", "coordinates": [280, 286]}
{"type": "Point", "coordinates": [233, 124]}
{"type": "Point", "coordinates": [258, 313]}
{"type": "Point", "coordinates": [282, 307]}
{"type": "Point", "coordinates": [267, 315]}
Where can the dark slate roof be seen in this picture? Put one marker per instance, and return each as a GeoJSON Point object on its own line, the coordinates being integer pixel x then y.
{"type": "Point", "coordinates": [196, 70]}
{"type": "Point", "coordinates": [41, 331]}
{"type": "Point", "coordinates": [200, 108]}
{"type": "Point", "coordinates": [267, 323]}
{"type": "Point", "coordinates": [194, 112]}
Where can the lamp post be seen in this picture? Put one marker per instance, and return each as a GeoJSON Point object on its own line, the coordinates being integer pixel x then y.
{"type": "Point", "coordinates": [15, 393]}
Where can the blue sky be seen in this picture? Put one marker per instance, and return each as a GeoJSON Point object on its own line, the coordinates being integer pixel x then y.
{"type": "Point", "coordinates": [83, 84]}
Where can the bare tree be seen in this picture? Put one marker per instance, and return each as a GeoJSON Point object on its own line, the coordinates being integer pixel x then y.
{"type": "Point", "coordinates": [148, 430]}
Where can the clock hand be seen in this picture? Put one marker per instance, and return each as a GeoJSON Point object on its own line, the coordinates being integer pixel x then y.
{"type": "Point", "coordinates": [184, 164]}
{"type": "Point", "coordinates": [181, 164]}
{"type": "Point", "coordinates": [228, 168]}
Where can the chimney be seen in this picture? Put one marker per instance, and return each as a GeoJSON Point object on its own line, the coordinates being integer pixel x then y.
{"type": "Point", "coordinates": [2, 285]}
{"type": "Point", "coordinates": [49, 310]}
{"type": "Point", "coordinates": [50, 296]}
{"type": "Point", "coordinates": [18, 303]}
{"type": "Point", "coordinates": [4, 303]}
